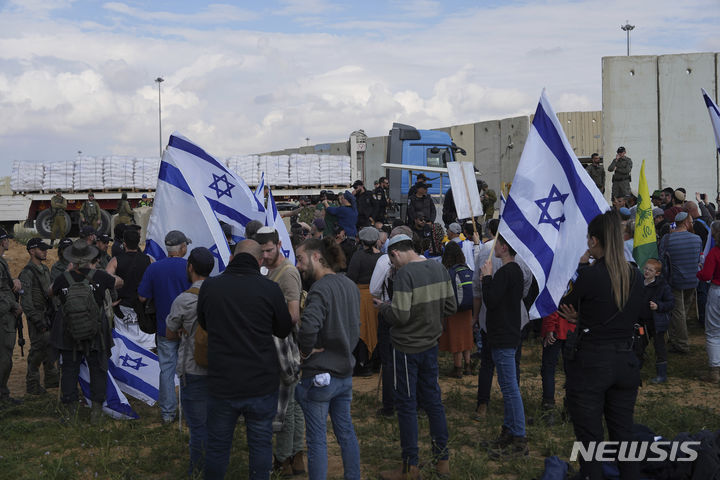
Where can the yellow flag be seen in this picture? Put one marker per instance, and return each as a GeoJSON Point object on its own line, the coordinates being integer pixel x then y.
{"type": "Point", "coordinates": [645, 241]}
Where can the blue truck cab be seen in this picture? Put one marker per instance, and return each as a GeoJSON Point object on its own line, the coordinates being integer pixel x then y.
{"type": "Point", "coordinates": [422, 148]}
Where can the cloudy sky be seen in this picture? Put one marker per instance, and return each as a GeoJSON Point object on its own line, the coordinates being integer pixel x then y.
{"type": "Point", "coordinates": [246, 77]}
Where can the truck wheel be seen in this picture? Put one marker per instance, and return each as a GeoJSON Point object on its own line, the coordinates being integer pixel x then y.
{"type": "Point", "coordinates": [43, 224]}
{"type": "Point", "coordinates": [105, 221]}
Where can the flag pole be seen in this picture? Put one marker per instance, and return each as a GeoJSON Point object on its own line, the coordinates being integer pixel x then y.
{"type": "Point", "coordinates": [492, 250]}
{"type": "Point", "coordinates": [467, 194]}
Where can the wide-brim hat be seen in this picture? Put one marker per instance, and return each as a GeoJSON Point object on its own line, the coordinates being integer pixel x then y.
{"type": "Point", "coordinates": [80, 252]}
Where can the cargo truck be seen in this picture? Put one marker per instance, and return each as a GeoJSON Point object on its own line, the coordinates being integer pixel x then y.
{"type": "Point", "coordinates": [409, 152]}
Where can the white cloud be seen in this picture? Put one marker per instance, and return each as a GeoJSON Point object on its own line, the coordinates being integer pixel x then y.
{"type": "Point", "coordinates": [214, 13]}
{"type": "Point", "coordinates": [89, 84]}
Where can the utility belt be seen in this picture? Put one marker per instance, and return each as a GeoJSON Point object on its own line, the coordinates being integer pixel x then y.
{"type": "Point", "coordinates": [619, 177]}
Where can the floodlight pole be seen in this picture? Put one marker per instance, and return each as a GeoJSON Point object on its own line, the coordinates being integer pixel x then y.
{"type": "Point", "coordinates": [627, 28]}
{"type": "Point", "coordinates": [159, 80]}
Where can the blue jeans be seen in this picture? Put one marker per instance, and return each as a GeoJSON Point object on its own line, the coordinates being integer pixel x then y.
{"type": "Point", "coordinates": [222, 416]}
{"type": "Point", "coordinates": [514, 420]}
{"type": "Point", "coordinates": [487, 369]}
{"type": "Point", "coordinates": [193, 392]}
{"type": "Point", "coordinates": [167, 357]}
{"type": "Point", "coordinates": [316, 403]}
{"type": "Point", "coordinates": [416, 379]}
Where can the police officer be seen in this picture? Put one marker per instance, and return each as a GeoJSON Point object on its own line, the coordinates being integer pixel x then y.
{"type": "Point", "coordinates": [10, 309]}
{"type": "Point", "coordinates": [58, 205]}
{"type": "Point", "coordinates": [597, 172]}
{"type": "Point", "coordinates": [365, 205]}
{"type": "Point", "coordinates": [381, 195]}
{"type": "Point", "coordinates": [602, 370]}
{"type": "Point", "coordinates": [90, 212]}
{"type": "Point", "coordinates": [62, 264]}
{"type": "Point", "coordinates": [621, 165]}
{"type": "Point", "coordinates": [35, 279]}
{"type": "Point", "coordinates": [125, 212]}
{"type": "Point", "coordinates": [102, 242]}
{"type": "Point", "coordinates": [144, 201]}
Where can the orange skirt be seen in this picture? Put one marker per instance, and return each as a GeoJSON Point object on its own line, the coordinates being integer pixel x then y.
{"type": "Point", "coordinates": [458, 335]}
{"type": "Point", "coordinates": [368, 319]}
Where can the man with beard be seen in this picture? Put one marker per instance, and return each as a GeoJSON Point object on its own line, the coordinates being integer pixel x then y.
{"type": "Point", "coordinates": [329, 331]}
{"type": "Point", "coordinates": [35, 278]}
{"type": "Point", "coordinates": [289, 445]}
{"type": "Point", "coordinates": [365, 205]}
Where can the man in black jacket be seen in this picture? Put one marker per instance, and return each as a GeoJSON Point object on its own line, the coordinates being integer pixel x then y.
{"type": "Point", "coordinates": [365, 205]}
{"type": "Point", "coordinates": [241, 311]}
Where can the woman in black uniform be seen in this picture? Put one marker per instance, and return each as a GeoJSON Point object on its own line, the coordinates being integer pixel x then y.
{"type": "Point", "coordinates": [603, 375]}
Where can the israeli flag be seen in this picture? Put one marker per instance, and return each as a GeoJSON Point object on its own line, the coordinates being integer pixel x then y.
{"type": "Point", "coordinates": [551, 202]}
{"type": "Point", "coordinates": [115, 405]}
{"type": "Point", "coordinates": [195, 192]}
{"type": "Point", "coordinates": [259, 190]}
{"type": "Point", "coordinates": [714, 117]}
{"type": "Point", "coordinates": [274, 219]}
{"type": "Point", "coordinates": [135, 369]}
{"type": "Point", "coordinates": [502, 202]}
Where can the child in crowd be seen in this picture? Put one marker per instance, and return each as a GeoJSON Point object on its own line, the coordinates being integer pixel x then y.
{"type": "Point", "coordinates": [659, 302]}
{"type": "Point", "coordinates": [554, 332]}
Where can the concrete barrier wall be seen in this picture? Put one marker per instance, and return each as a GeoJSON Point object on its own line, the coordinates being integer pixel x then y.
{"type": "Point", "coordinates": [652, 105]}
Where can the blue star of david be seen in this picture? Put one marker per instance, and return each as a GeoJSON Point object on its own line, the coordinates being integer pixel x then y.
{"type": "Point", "coordinates": [285, 252]}
{"type": "Point", "coordinates": [216, 253]}
{"type": "Point", "coordinates": [219, 191]}
{"type": "Point", "coordinates": [544, 204]}
{"type": "Point", "coordinates": [136, 363]}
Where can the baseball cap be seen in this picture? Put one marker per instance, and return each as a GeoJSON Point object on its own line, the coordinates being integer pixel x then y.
{"type": "Point", "coordinates": [421, 175]}
{"type": "Point", "coordinates": [175, 238]}
{"type": "Point", "coordinates": [680, 217]}
{"type": "Point", "coordinates": [86, 231]}
{"type": "Point", "coordinates": [398, 238]}
{"type": "Point", "coordinates": [455, 228]}
{"type": "Point", "coordinates": [5, 234]}
{"type": "Point", "coordinates": [104, 238]}
{"type": "Point", "coordinates": [369, 235]}
{"type": "Point", "coordinates": [64, 243]}
{"type": "Point", "coordinates": [36, 242]}
{"type": "Point", "coordinates": [625, 212]}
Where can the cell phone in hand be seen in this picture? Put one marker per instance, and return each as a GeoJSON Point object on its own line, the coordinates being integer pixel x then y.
{"type": "Point", "coordinates": [703, 196]}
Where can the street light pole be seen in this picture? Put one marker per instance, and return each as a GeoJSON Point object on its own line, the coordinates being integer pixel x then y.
{"type": "Point", "coordinates": [627, 28]}
{"type": "Point", "coordinates": [159, 80]}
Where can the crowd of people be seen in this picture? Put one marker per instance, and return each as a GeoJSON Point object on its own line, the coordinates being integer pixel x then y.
{"type": "Point", "coordinates": [278, 342]}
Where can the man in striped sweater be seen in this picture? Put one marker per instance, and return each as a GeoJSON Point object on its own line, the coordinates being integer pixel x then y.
{"type": "Point", "coordinates": [681, 250]}
{"type": "Point", "coordinates": [422, 297]}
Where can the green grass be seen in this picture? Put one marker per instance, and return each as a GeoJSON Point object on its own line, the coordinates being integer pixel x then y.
{"type": "Point", "coordinates": [34, 444]}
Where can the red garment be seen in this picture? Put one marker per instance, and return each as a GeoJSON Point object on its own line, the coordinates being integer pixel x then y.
{"type": "Point", "coordinates": [711, 268]}
{"type": "Point", "coordinates": [557, 324]}
{"type": "Point", "coordinates": [672, 212]}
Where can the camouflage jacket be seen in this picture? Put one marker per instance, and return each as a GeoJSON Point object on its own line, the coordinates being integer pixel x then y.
{"type": "Point", "coordinates": [90, 211]}
{"type": "Point", "coordinates": [58, 204]}
{"type": "Point", "coordinates": [8, 304]}
{"type": "Point", "coordinates": [58, 268]}
{"type": "Point", "coordinates": [35, 280]}
{"type": "Point", "coordinates": [597, 173]}
{"type": "Point", "coordinates": [621, 167]}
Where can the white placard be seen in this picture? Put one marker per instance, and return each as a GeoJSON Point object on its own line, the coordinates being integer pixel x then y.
{"type": "Point", "coordinates": [465, 190]}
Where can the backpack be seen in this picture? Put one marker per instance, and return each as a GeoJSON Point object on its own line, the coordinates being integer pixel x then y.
{"type": "Point", "coordinates": [201, 338]}
{"type": "Point", "coordinates": [462, 277]}
{"type": "Point", "coordinates": [81, 313]}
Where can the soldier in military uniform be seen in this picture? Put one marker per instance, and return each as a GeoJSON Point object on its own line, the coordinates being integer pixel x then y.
{"type": "Point", "coordinates": [622, 165]}
{"type": "Point", "coordinates": [305, 213]}
{"type": "Point", "coordinates": [488, 197]}
{"type": "Point", "coordinates": [125, 212]}
{"type": "Point", "coordinates": [58, 205]}
{"type": "Point", "coordinates": [62, 264]}
{"type": "Point", "coordinates": [9, 311]}
{"type": "Point", "coordinates": [90, 213]}
{"type": "Point", "coordinates": [597, 172]}
{"type": "Point", "coordinates": [382, 199]}
{"type": "Point", "coordinates": [102, 242]}
{"type": "Point", "coordinates": [35, 279]}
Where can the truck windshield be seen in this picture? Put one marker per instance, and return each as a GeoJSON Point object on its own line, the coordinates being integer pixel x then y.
{"type": "Point", "coordinates": [437, 157]}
